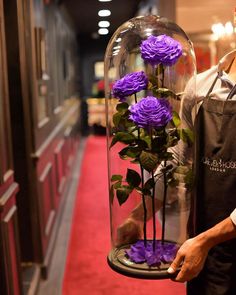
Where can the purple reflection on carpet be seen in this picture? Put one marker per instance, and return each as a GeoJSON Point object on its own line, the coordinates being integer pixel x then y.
{"type": "Point", "coordinates": [163, 253]}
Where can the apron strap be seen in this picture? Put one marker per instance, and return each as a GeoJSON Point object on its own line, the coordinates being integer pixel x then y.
{"type": "Point", "coordinates": [232, 92]}
{"type": "Point", "coordinates": [219, 74]}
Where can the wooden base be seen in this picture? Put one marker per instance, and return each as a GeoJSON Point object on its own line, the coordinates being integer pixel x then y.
{"type": "Point", "coordinates": [119, 262]}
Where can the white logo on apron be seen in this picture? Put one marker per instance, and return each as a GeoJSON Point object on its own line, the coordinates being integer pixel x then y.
{"type": "Point", "coordinates": [219, 165]}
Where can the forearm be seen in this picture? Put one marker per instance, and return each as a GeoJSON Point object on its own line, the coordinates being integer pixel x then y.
{"type": "Point", "coordinates": [221, 232]}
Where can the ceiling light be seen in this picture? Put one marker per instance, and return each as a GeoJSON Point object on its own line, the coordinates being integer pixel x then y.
{"type": "Point", "coordinates": [104, 0]}
{"type": "Point", "coordinates": [103, 31]}
{"type": "Point", "coordinates": [104, 24]}
{"type": "Point", "coordinates": [218, 30]}
{"type": "Point", "coordinates": [104, 12]}
{"type": "Point", "coordinates": [229, 29]}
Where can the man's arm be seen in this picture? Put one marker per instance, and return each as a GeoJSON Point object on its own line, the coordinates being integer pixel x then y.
{"type": "Point", "coordinates": [192, 254]}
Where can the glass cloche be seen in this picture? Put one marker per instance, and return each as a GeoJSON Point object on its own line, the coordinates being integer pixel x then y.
{"type": "Point", "coordinates": [150, 74]}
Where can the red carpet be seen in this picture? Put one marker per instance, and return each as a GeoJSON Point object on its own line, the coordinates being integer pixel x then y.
{"type": "Point", "coordinates": [87, 272]}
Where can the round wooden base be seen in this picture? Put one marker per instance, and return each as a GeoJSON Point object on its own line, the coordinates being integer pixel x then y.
{"type": "Point", "coordinates": [118, 261]}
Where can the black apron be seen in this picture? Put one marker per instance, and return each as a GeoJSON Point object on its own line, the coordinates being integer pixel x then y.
{"type": "Point", "coordinates": [215, 190]}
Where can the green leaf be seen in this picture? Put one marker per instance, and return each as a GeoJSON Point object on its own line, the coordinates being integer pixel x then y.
{"type": "Point", "coordinates": [133, 178]}
{"type": "Point", "coordinates": [172, 141]}
{"type": "Point", "coordinates": [135, 161]}
{"type": "Point", "coordinates": [129, 123]}
{"type": "Point", "coordinates": [186, 135]}
{"type": "Point", "coordinates": [189, 179]}
{"type": "Point", "coordinates": [116, 119]}
{"type": "Point", "coordinates": [148, 160]}
{"type": "Point", "coordinates": [116, 177]}
{"type": "Point", "coordinates": [166, 156]}
{"type": "Point", "coordinates": [123, 194]}
{"type": "Point", "coordinates": [123, 153]}
{"type": "Point", "coordinates": [147, 139]}
{"type": "Point", "coordinates": [146, 192]}
{"type": "Point", "coordinates": [176, 119]}
{"type": "Point", "coordinates": [122, 107]}
{"type": "Point", "coordinates": [164, 92]}
{"type": "Point", "coordinates": [142, 144]}
{"type": "Point", "coordinates": [149, 184]}
{"type": "Point", "coordinates": [131, 152]}
{"type": "Point", "coordinates": [122, 137]}
{"type": "Point", "coordinates": [117, 185]}
{"type": "Point", "coordinates": [159, 143]}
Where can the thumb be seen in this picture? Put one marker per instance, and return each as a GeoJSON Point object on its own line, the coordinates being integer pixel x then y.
{"type": "Point", "coordinates": [175, 264]}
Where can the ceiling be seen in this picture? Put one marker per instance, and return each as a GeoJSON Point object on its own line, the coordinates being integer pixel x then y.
{"type": "Point", "coordinates": [193, 16]}
{"type": "Point", "coordinates": [85, 17]}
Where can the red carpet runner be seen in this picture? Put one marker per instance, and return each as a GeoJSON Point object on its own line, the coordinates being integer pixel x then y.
{"type": "Point", "coordinates": [87, 272]}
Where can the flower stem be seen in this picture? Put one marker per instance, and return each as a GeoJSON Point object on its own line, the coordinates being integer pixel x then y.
{"type": "Point", "coordinates": [153, 214]}
{"type": "Point", "coordinates": [144, 210]}
{"type": "Point", "coordinates": [164, 178]}
{"type": "Point", "coordinates": [153, 202]}
{"type": "Point", "coordinates": [163, 76]}
{"type": "Point", "coordinates": [143, 197]}
{"type": "Point", "coordinates": [136, 100]}
{"type": "Point", "coordinates": [164, 206]}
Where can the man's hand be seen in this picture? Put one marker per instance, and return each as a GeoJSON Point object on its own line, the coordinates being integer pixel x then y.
{"type": "Point", "coordinates": [191, 255]}
{"type": "Point", "coordinates": [128, 232]}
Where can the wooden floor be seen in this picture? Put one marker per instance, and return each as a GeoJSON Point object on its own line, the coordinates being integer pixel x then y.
{"type": "Point", "coordinates": [53, 285]}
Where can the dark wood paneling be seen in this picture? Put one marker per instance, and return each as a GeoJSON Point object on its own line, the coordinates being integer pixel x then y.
{"type": "Point", "coordinates": [10, 272]}
{"type": "Point", "coordinates": [47, 202]}
{"type": "Point", "coordinates": [37, 38]}
{"type": "Point", "coordinates": [60, 166]}
{"type": "Point", "coordinates": [53, 174]}
{"type": "Point", "coordinates": [10, 255]}
{"type": "Point", "coordinates": [5, 132]}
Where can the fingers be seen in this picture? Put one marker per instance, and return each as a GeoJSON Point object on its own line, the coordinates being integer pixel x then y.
{"type": "Point", "coordinates": [188, 271]}
{"type": "Point", "coordinates": [176, 263]}
{"type": "Point", "coordinates": [185, 274]}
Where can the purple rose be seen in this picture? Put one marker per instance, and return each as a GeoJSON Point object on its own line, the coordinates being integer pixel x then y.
{"type": "Point", "coordinates": [130, 84]}
{"type": "Point", "coordinates": [151, 112]}
{"type": "Point", "coordinates": [137, 252]}
{"type": "Point", "coordinates": [163, 253]}
{"type": "Point", "coordinates": [161, 49]}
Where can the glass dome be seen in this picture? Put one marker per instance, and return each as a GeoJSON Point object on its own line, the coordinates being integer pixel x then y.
{"type": "Point", "coordinates": [150, 74]}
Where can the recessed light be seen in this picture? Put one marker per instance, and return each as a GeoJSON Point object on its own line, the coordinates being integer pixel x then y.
{"type": "Point", "coordinates": [103, 31]}
{"type": "Point", "coordinates": [104, 24]}
{"type": "Point", "coordinates": [104, 12]}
